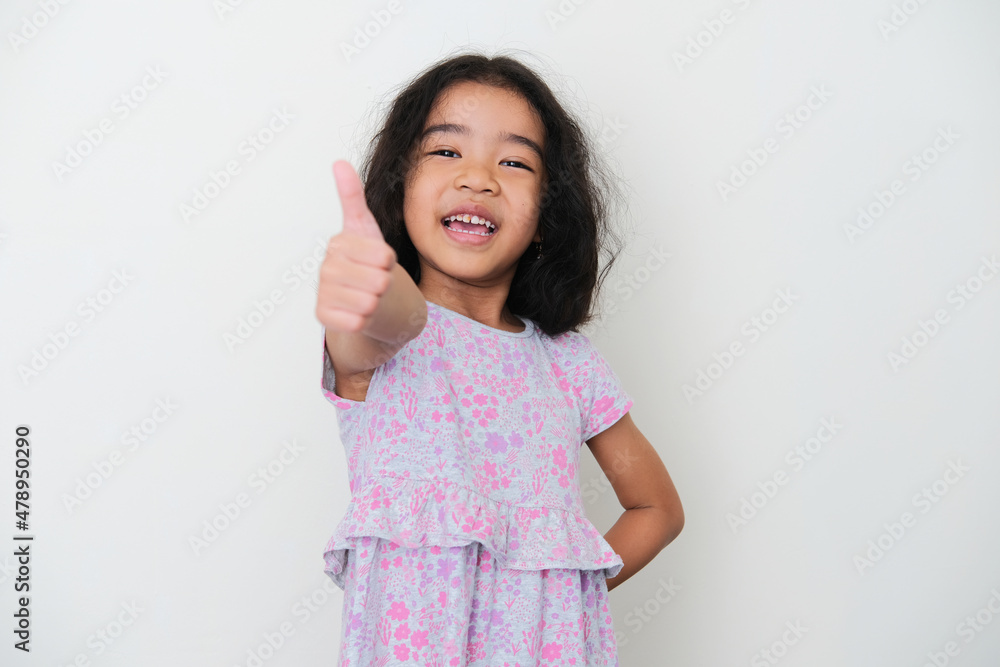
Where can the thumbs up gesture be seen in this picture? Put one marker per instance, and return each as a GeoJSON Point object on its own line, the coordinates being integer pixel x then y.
{"type": "Point", "coordinates": [357, 269]}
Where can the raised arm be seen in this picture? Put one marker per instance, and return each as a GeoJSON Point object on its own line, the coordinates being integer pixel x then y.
{"type": "Point", "coordinates": [368, 303]}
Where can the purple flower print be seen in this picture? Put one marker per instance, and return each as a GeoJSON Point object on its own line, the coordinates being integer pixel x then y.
{"type": "Point", "coordinates": [516, 441]}
{"type": "Point", "coordinates": [445, 566]}
{"type": "Point", "coordinates": [496, 444]}
{"type": "Point", "coordinates": [354, 623]}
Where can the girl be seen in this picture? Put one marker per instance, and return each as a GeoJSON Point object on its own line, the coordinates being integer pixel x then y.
{"type": "Point", "coordinates": [450, 303]}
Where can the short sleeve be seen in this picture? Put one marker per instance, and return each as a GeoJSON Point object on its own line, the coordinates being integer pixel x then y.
{"type": "Point", "coordinates": [346, 406]}
{"type": "Point", "coordinates": [603, 399]}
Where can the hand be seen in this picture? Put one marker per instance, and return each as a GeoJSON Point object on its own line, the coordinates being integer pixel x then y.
{"type": "Point", "coordinates": [357, 269]}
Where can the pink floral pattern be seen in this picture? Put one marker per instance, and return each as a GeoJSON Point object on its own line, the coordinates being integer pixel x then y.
{"type": "Point", "coordinates": [444, 606]}
{"type": "Point", "coordinates": [464, 462]}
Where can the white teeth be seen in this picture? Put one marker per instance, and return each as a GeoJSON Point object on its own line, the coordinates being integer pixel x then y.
{"type": "Point", "coordinates": [474, 219]}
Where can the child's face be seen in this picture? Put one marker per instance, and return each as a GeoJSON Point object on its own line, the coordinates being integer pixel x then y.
{"type": "Point", "coordinates": [483, 158]}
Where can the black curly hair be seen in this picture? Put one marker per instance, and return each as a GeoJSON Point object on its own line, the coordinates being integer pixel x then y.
{"type": "Point", "coordinates": [558, 290]}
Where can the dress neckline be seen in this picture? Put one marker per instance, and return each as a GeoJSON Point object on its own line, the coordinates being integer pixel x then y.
{"type": "Point", "coordinates": [529, 326]}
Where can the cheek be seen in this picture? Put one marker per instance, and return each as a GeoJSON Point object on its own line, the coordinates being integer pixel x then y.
{"type": "Point", "coordinates": [532, 203]}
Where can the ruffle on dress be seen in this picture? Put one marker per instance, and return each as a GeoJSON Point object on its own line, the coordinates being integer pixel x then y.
{"type": "Point", "coordinates": [418, 512]}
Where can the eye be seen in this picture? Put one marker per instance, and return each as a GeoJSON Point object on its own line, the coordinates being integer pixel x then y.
{"type": "Point", "coordinates": [442, 150]}
{"type": "Point", "coordinates": [517, 164]}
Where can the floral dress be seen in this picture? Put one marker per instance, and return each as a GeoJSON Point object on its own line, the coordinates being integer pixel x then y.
{"type": "Point", "coordinates": [465, 541]}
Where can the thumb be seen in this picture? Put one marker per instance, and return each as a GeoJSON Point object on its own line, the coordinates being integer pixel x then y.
{"type": "Point", "coordinates": [358, 219]}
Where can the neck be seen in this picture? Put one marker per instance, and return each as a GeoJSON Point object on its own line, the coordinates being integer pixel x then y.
{"type": "Point", "coordinates": [484, 304]}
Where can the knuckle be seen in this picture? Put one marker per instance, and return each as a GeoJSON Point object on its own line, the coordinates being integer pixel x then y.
{"type": "Point", "coordinates": [383, 281]}
{"type": "Point", "coordinates": [369, 302]}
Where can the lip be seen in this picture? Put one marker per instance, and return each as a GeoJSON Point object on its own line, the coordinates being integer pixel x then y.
{"type": "Point", "coordinates": [474, 209]}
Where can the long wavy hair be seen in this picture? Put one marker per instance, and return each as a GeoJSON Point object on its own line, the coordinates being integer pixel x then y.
{"type": "Point", "coordinates": [559, 290]}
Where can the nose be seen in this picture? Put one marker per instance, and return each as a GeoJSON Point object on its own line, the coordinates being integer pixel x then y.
{"type": "Point", "coordinates": [477, 177]}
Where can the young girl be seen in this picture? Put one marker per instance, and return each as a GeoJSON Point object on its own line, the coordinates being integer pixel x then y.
{"type": "Point", "coordinates": [450, 303]}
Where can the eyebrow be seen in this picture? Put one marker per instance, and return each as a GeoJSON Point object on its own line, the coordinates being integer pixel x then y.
{"type": "Point", "coordinates": [507, 137]}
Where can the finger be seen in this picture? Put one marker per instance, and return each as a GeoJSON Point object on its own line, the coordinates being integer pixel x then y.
{"type": "Point", "coordinates": [353, 277]}
{"type": "Point", "coordinates": [360, 250]}
{"type": "Point", "coordinates": [347, 300]}
{"type": "Point", "coordinates": [357, 218]}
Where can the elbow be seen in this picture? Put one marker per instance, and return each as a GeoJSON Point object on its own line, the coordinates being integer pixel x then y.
{"type": "Point", "coordinates": [673, 523]}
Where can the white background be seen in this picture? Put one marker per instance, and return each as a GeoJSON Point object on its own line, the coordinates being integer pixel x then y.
{"type": "Point", "coordinates": [673, 130]}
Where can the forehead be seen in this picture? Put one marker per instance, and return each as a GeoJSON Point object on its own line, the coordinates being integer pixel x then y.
{"type": "Point", "coordinates": [470, 103]}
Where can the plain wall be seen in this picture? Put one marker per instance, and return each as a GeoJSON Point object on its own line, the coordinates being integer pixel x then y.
{"type": "Point", "coordinates": [856, 343]}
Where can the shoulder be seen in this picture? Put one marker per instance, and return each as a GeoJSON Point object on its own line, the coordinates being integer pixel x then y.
{"type": "Point", "coordinates": [572, 351]}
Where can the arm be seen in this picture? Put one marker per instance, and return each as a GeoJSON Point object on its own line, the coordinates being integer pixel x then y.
{"type": "Point", "coordinates": [399, 317]}
{"type": "Point", "coordinates": [367, 302]}
{"type": "Point", "coordinates": [653, 514]}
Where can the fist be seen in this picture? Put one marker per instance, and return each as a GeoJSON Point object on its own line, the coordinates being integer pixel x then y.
{"type": "Point", "coordinates": [357, 269]}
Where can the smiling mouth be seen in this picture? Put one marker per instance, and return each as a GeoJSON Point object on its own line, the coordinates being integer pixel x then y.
{"type": "Point", "coordinates": [470, 224]}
